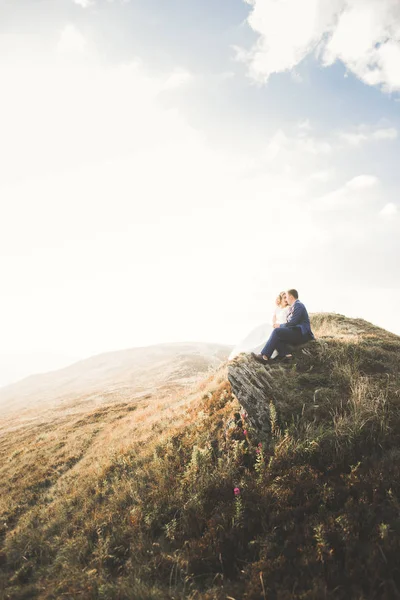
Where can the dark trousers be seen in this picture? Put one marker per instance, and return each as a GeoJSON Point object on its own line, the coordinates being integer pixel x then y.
{"type": "Point", "coordinates": [280, 338]}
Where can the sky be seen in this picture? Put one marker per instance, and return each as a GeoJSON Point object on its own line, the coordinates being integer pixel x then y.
{"type": "Point", "coordinates": [166, 168]}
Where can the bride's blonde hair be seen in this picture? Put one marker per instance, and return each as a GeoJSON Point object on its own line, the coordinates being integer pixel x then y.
{"type": "Point", "coordinates": [281, 296]}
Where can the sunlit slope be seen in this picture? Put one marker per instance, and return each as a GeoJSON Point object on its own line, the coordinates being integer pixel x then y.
{"type": "Point", "coordinates": [126, 372]}
{"type": "Point", "coordinates": [182, 498]}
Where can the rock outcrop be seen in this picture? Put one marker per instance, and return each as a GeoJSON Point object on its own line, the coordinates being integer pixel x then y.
{"type": "Point", "coordinates": [258, 387]}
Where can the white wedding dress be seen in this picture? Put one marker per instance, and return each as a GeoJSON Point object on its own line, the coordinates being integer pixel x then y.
{"type": "Point", "coordinates": [256, 340]}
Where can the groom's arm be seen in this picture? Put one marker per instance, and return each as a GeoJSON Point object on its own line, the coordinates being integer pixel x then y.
{"type": "Point", "coordinates": [296, 317]}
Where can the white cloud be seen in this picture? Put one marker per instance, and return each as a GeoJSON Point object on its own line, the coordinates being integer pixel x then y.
{"type": "Point", "coordinates": [362, 182]}
{"type": "Point", "coordinates": [322, 176]}
{"type": "Point", "coordinates": [84, 3]}
{"type": "Point", "coordinates": [354, 139]}
{"type": "Point", "coordinates": [373, 53]}
{"type": "Point", "coordinates": [177, 79]}
{"type": "Point", "coordinates": [363, 34]}
{"type": "Point", "coordinates": [363, 134]}
{"type": "Point", "coordinates": [305, 125]}
{"type": "Point", "coordinates": [288, 30]}
{"type": "Point", "coordinates": [385, 134]}
{"type": "Point", "coordinates": [71, 41]}
{"type": "Point", "coordinates": [352, 196]}
{"type": "Point", "coordinates": [389, 210]}
{"type": "Point", "coordinates": [282, 145]}
{"type": "Point", "coordinates": [314, 146]}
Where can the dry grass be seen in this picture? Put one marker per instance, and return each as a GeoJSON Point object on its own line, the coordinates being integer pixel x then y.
{"type": "Point", "coordinates": [44, 455]}
{"type": "Point", "coordinates": [135, 500]}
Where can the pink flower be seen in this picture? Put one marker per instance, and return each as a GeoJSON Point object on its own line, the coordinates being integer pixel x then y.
{"type": "Point", "coordinates": [236, 491]}
{"type": "Point", "coordinates": [260, 445]}
{"type": "Point", "coordinates": [245, 431]}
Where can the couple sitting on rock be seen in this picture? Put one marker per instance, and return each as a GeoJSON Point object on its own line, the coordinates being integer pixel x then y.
{"type": "Point", "coordinates": [291, 326]}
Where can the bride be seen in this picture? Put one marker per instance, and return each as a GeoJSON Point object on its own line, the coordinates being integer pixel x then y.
{"type": "Point", "coordinates": [257, 338]}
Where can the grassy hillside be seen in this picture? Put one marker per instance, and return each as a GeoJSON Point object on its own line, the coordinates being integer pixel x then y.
{"type": "Point", "coordinates": [192, 503]}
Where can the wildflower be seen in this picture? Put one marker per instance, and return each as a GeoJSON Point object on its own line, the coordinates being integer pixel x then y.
{"type": "Point", "coordinates": [245, 431]}
{"type": "Point", "coordinates": [236, 491]}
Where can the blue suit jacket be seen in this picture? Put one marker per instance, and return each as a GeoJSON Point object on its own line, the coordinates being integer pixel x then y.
{"type": "Point", "coordinates": [299, 318]}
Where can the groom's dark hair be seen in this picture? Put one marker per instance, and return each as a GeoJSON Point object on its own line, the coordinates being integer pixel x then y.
{"type": "Point", "coordinates": [293, 293]}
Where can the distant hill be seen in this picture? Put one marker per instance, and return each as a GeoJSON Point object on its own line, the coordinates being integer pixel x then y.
{"type": "Point", "coordinates": [132, 372]}
{"type": "Point", "coordinates": [179, 495]}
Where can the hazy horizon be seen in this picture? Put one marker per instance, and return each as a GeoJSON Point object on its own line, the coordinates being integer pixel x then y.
{"type": "Point", "coordinates": [67, 364]}
{"type": "Point", "coordinates": [167, 169]}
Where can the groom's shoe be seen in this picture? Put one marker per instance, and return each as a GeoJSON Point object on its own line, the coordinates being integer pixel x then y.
{"type": "Point", "coordinates": [260, 358]}
{"type": "Point", "coordinates": [284, 357]}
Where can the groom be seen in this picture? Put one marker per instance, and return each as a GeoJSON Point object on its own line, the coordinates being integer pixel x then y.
{"type": "Point", "coordinates": [296, 330]}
